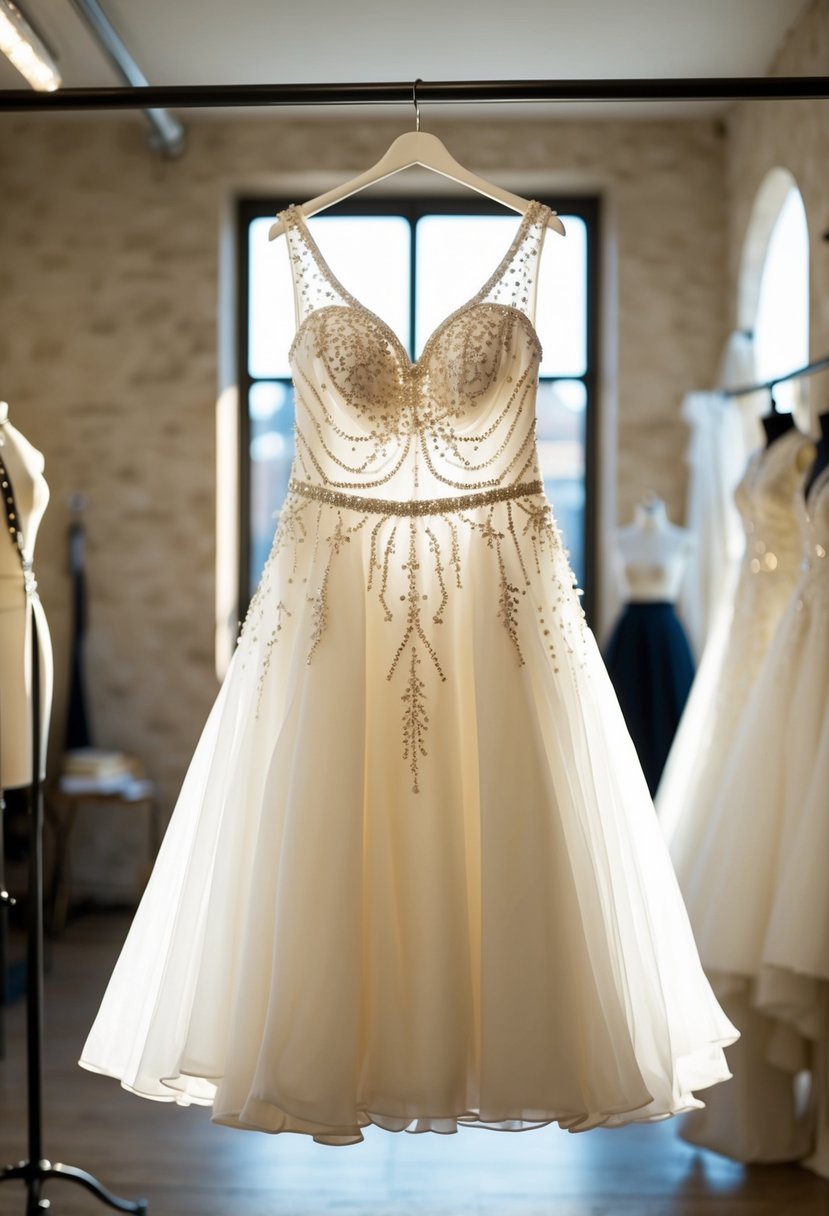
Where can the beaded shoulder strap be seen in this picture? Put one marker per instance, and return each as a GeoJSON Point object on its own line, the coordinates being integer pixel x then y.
{"type": "Point", "coordinates": [314, 284]}
{"type": "Point", "coordinates": [515, 282]}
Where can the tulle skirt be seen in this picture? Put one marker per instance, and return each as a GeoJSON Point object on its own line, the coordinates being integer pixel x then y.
{"type": "Point", "coordinates": [758, 893]}
{"type": "Point", "coordinates": [413, 877]}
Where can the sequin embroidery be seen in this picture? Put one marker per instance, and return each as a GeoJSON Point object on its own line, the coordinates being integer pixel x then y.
{"type": "Point", "coordinates": [422, 459]}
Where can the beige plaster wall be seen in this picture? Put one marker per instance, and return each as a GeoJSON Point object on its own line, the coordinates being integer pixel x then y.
{"type": "Point", "coordinates": [109, 316]}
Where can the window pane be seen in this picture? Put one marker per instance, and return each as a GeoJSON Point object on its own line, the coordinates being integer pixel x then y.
{"type": "Point", "coordinates": [458, 253]}
{"type": "Point", "coordinates": [270, 302]}
{"type": "Point", "coordinates": [561, 452]}
{"type": "Point", "coordinates": [561, 314]}
{"type": "Point", "coordinates": [271, 408]}
{"type": "Point", "coordinates": [368, 254]}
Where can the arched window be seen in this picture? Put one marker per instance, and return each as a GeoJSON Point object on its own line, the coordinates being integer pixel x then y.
{"type": "Point", "coordinates": [774, 284]}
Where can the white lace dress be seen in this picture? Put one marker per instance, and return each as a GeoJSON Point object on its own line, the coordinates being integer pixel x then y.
{"type": "Point", "coordinates": [413, 877]}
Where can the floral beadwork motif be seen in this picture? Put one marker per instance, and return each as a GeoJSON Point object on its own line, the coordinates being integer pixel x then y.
{"type": "Point", "coordinates": [410, 464]}
{"type": "Point", "coordinates": [415, 720]}
{"type": "Point", "coordinates": [420, 556]}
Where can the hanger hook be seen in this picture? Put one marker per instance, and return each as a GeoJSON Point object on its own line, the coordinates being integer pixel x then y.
{"type": "Point", "coordinates": [772, 398]}
{"type": "Point", "coordinates": [414, 102]}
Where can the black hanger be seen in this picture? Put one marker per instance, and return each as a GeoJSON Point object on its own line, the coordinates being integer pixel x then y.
{"type": "Point", "coordinates": [774, 423]}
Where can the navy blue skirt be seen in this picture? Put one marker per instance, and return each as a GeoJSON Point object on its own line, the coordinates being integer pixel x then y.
{"type": "Point", "coordinates": [650, 663]}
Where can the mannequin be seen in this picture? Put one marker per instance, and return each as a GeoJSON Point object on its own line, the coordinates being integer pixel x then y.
{"type": "Point", "coordinates": [23, 466]}
{"type": "Point", "coordinates": [25, 690]}
{"type": "Point", "coordinates": [648, 657]}
{"type": "Point", "coordinates": [654, 553]}
{"type": "Point", "coordinates": [821, 461]}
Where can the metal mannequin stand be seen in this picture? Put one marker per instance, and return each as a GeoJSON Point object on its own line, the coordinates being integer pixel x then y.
{"type": "Point", "coordinates": [6, 902]}
{"type": "Point", "coordinates": [35, 1171]}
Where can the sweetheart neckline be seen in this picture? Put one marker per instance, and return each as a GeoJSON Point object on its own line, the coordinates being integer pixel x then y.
{"type": "Point", "coordinates": [534, 210]}
{"type": "Point", "coordinates": [413, 365]}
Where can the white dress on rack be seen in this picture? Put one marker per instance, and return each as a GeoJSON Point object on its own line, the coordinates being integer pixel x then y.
{"type": "Point", "coordinates": [716, 462]}
{"type": "Point", "coordinates": [758, 894]}
{"type": "Point", "coordinates": [413, 877]}
{"type": "Point", "coordinates": [736, 649]}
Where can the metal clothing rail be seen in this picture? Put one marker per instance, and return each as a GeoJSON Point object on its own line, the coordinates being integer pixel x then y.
{"type": "Point", "coordinates": [768, 386]}
{"type": "Point", "coordinates": [705, 88]}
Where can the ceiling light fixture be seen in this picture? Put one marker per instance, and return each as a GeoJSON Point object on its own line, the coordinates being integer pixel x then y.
{"type": "Point", "coordinates": [26, 50]}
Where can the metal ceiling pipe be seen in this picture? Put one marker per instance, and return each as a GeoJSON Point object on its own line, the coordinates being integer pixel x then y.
{"type": "Point", "coordinates": [167, 133]}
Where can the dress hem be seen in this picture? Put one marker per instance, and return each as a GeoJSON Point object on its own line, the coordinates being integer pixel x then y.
{"type": "Point", "coordinates": [413, 1123]}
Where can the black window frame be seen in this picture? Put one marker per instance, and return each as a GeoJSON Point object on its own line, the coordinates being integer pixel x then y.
{"type": "Point", "coordinates": [586, 207]}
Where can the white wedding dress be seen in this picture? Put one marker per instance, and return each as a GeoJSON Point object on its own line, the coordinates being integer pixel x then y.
{"type": "Point", "coordinates": [757, 892]}
{"type": "Point", "coordinates": [414, 877]}
{"type": "Point", "coordinates": [737, 646]}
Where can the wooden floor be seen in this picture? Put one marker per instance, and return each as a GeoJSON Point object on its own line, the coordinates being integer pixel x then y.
{"type": "Point", "coordinates": [184, 1165]}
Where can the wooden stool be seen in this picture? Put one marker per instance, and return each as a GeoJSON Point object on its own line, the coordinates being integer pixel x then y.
{"type": "Point", "coordinates": [62, 805]}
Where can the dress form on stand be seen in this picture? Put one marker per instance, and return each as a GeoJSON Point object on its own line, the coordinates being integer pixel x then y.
{"type": "Point", "coordinates": [19, 602]}
{"type": "Point", "coordinates": [648, 656]}
{"type": "Point", "coordinates": [654, 553]}
{"type": "Point", "coordinates": [26, 654]}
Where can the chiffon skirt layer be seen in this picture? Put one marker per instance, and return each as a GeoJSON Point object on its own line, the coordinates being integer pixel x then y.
{"type": "Point", "coordinates": [651, 666]}
{"type": "Point", "coordinates": [418, 895]}
{"type": "Point", "coordinates": [758, 894]}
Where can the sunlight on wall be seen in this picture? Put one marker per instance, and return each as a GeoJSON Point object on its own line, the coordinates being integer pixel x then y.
{"type": "Point", "coordinates": [781, 326]}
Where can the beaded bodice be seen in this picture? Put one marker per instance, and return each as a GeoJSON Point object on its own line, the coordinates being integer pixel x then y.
{"type": "Point", "coordinates": [409, 477]}
{"type": "Point", "coordinates": [766, 499]}
{"type": "Point", "coordinates": [459, 418]}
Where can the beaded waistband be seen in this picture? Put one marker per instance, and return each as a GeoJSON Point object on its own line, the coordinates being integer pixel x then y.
{"type": "Point", "coordinates": [417, 506]}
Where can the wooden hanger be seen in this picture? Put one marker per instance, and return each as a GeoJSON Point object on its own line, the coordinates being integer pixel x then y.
{"type": "Point", "coordinates": [417, 148]}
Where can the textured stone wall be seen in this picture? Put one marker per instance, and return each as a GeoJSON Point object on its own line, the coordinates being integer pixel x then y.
{"type": "Point", "coordinates": [109, 316]}
{"type": "Point", "coordinates": [792, 135]}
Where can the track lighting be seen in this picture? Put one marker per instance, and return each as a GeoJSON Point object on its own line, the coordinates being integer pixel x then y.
{"type": "Point", "coordinates": [26, 50]}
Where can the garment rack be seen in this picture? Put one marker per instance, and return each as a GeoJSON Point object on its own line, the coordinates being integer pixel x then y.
{"type": "Point", "coordinates": [768, 386]}
{"type": "Point", "coordinates": [706, 88]}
